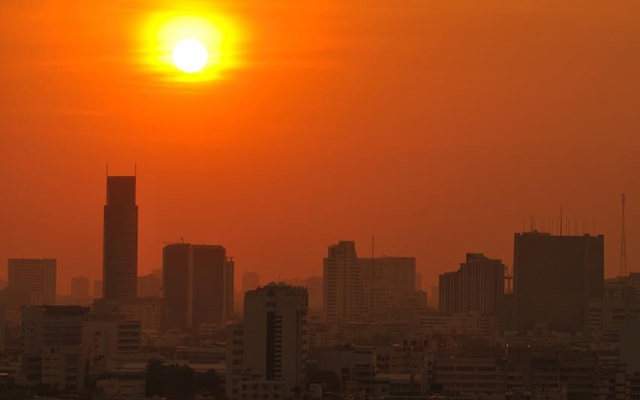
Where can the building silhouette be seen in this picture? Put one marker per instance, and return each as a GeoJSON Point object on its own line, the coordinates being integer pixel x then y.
{"type": "Point", "coordinates": [344, 292]}
{"type": "Point", "coordinates": [358, 289]}
{"type": "Point", "coordinates": [198, 285]}
{"type": "Point", "coordinates": [477, 286]}
{"type": "Point", "coordinates": [80, 287]}
{"type": "Point", "coordinates": [36, 277]}
{"type": "Point", "coordinates": [555, 277]}
{"type": "Point", "coordinates": [120, 254]}
{"type": "Point", "coordinates": [250, 281]}
{"type": "Point", "coordinates": [275, 334]}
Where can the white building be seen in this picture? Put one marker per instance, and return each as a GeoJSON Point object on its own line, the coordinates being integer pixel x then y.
{"type": "Point", "coordinates": [275, 334]}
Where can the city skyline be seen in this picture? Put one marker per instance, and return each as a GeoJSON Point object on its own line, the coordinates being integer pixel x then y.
{"type": "Point", "coordinates": [533, 223]}
{"type": "Point", "coordinates": [460, 127]}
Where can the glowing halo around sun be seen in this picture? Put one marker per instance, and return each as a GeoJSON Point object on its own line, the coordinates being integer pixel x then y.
{"type": "Point", "coordinates": [189, 48]}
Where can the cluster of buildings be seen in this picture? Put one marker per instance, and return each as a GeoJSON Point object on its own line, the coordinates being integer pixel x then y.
{"type": "Point", "coordinates": [553, 328]}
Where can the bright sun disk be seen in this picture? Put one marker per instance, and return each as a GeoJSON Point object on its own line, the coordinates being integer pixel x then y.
{"type": "Point", "coordinates": [190, 55]}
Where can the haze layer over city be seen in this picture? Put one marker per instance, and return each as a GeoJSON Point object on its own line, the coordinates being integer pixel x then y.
{"type": "Point", "coordinates": [319, 200]}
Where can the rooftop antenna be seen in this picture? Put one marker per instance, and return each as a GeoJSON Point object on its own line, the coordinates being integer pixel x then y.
{"type": "Point", "coordinates": [560, 219]}
{"type": "Point", "coordinates": [623, 243]}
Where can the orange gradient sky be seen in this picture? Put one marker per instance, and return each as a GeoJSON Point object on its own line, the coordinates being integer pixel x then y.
{"type": "Point", "coordinates": [438, 126]}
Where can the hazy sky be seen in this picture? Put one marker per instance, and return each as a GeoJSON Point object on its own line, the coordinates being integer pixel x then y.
{"type": "Point", "coordinates": [438, 126]}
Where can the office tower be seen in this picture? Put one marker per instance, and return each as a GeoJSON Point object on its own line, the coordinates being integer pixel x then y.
{"type": "Point", "coordinates": [149, 286]}
{"type": "Point", "coordinates": [120, 251]}
{"type": "Point", "coordinates": [555, 277]}
{"type": "Point", "coordinates": [275, 334]}
{"type": "Point", "coordinates": [477, 286]}
{"type": "Point", "coordinates": [36, 277]}
{"type": "Point", "coordinates": [250, 281]}
{"type": "Point", "coordinates": [80, 287]}
{"type": "Point", "coordinates": [51, 326]}
{"type": "Point", "coordinates": [344, 291]}
{"type": "Point", "coordinates": [97, 289]}
{"type": "Point", "coordinates": [198, 285]}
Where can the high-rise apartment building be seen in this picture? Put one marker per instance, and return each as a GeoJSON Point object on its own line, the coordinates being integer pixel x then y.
{"type": "Point", "coordinates": [555, 277]}
{"type": "Point", "coordinates": [358, 289]}
{"type": "Point", "coordinates": [80, 287]}
{"type": "Point", "coordinates": [51, 326]}
{"type": "Point", "coordinates": [120, 254]}
{"type": "Point", "coordinates": [36, 277]}
{"type": "Point", "coordinates": [344, 291]}
{"type": "Point", "coordinates": [198, 285]}
{"type": "Point", "coordinates": [275, 334]}
{"type": "Point", "coordinates": [477, 286]}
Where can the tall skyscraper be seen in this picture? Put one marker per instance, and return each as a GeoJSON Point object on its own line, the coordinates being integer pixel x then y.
{"type": "Point", "coordinates": [250, 281]}
{"type": "Point", "coordinates": [275, 334]}
{"type": "Point", "coordinates": [36, 277]}
{"type": "Point", "coordinates": [198, 285]}
{"type": "Point", "coordinates": [120, 254]}
{"type": "Point", "coordinates": [344, 292]}
{"type": "Point", "coordinates": [477, 286]}
{"type": "Point", "coordinates": [80, 287]}
{"type": "Point", "coordinates": [555, 277]}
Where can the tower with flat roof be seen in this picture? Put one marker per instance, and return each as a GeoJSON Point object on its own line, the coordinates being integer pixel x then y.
{"type": "Point", "coordinates": [120, 249]}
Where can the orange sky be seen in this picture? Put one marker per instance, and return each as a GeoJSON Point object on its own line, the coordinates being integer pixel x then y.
{"type": "Point", "coordinates": [438, 126]}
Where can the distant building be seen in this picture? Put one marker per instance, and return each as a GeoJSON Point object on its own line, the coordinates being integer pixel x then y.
{"type": "Point", "coordinates": [37, 277]}
{"type": "Point", "coordinates": [314, 287]}
{"type": "Point", "coordinates": [250, 281]}
{"type": "Point", "coordinates": [97, 289]}
{"type": "Point", "coordinates": [120, 254]}
{"type": "Point", "coordinates": [51, 326]}
{"type": "Point", "coordinates": [80, 286]}
{"type": "Point", "coordinates": [555, 277]}
{"type": "Point", "coordinates": [149, 286]}
{"type": "Point", "coordinates": [359, 289]}
{"type": "Point", "coordinates": [477, 286]}
{"type": "Point", "coordinates": [198, 285]}
{"type": "Point", "coordinates": [275, 334]}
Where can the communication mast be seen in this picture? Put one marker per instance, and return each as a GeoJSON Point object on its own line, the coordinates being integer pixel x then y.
{"type": "Point", "coordinates": [623, 244]}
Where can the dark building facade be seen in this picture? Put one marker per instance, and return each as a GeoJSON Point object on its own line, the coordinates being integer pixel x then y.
{"type": "Point", "coordinates": [554, 278]}
{"type": "Point", "coordinates": [120, 254]}
{"type": "Point", "coordinates": [198, 282]}
{"type": "Point", "coordinates": [477, 286]}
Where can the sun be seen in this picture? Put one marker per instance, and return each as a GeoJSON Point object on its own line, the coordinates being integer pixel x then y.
{"type": "Point", "coordinates": [190, 56]}
{"type": "Point", "coordinates": [190, 48]}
